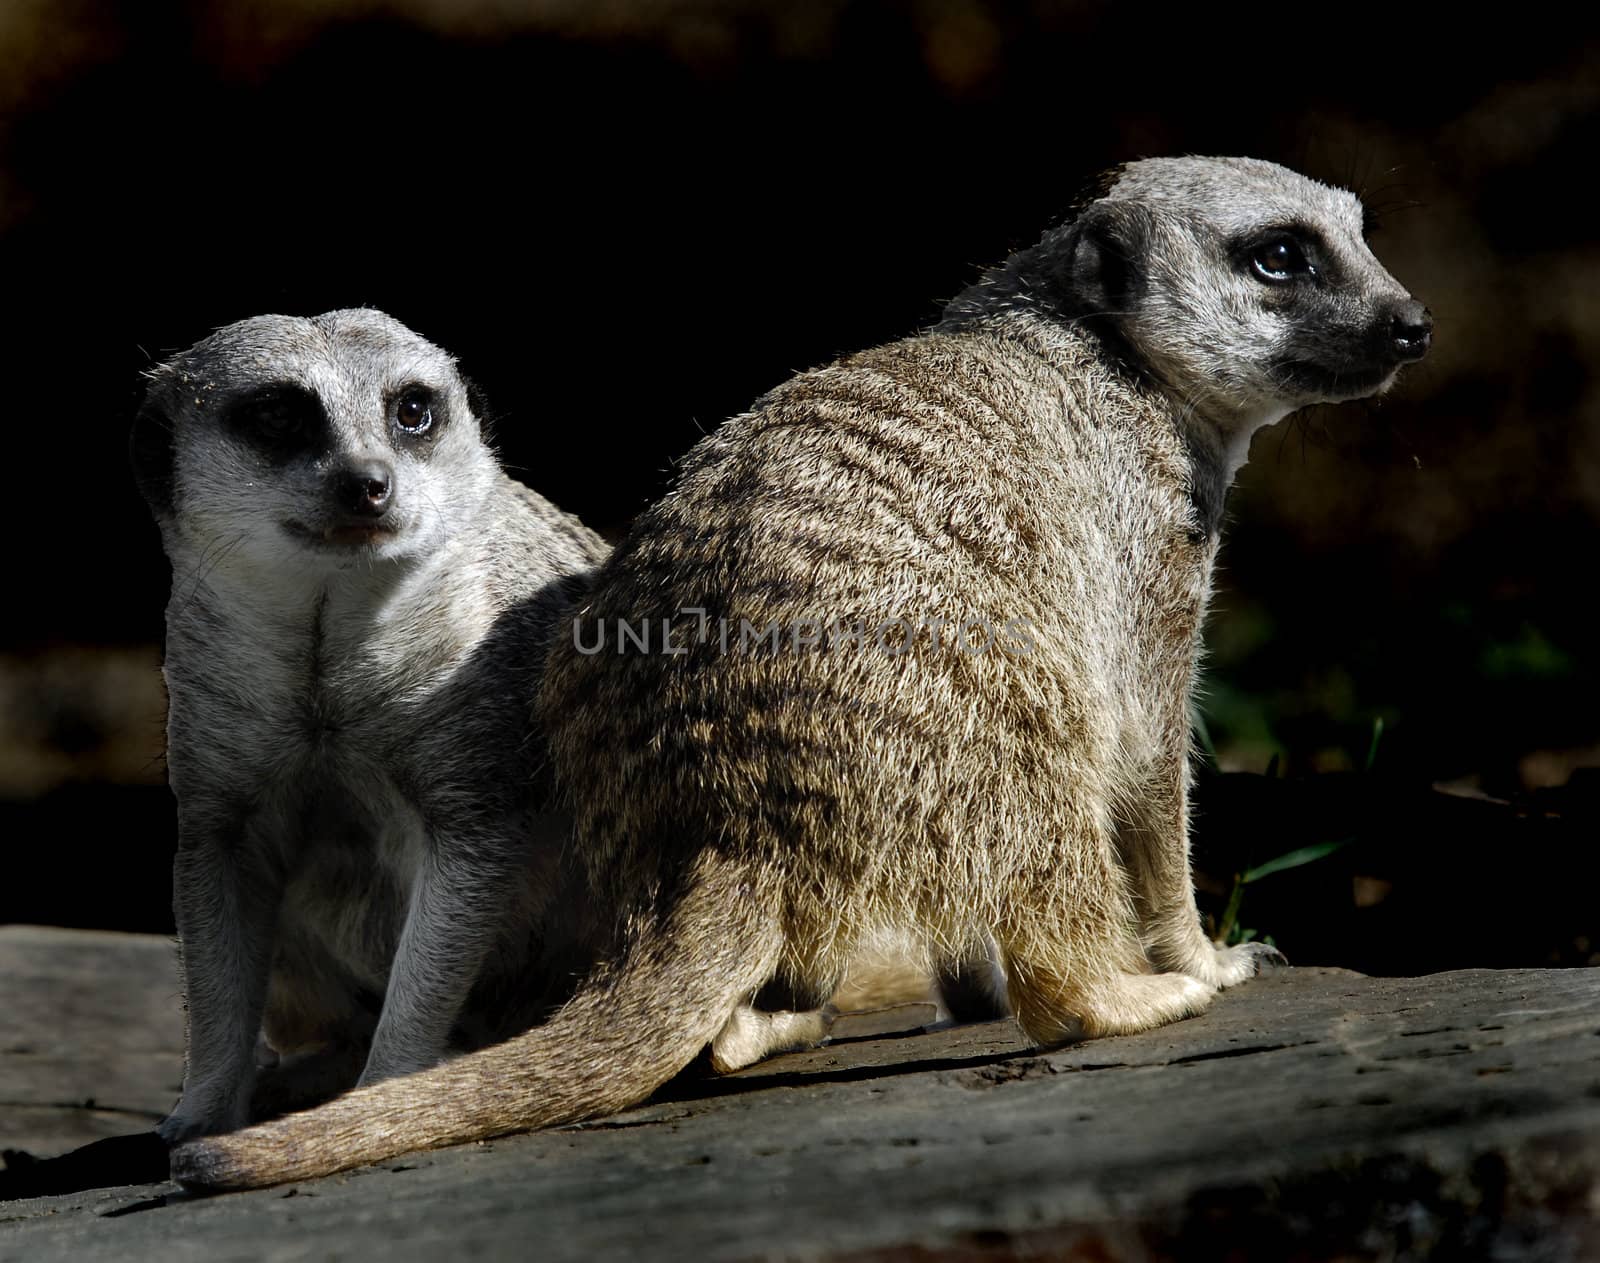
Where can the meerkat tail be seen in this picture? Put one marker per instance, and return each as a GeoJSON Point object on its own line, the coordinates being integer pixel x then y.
{"type": "Point", "coordinates": [635, 1023]}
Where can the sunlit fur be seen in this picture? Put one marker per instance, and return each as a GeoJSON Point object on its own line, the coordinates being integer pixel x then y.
{"type": "Point", "coordinates": [1055, 451]}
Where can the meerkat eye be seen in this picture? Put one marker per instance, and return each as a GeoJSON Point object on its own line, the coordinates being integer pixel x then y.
{"type": "Point", "coordinates": [414, 412]}
{"type": "Point", "coordinates": [1279, 260]}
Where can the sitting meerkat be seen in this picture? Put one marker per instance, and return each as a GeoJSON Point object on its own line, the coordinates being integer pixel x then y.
{"type": "Point", "coordinates": [359, 604]}
{"type": "Point", "coordinates": [368, 858]}
{"type": "Point", "coordinates": [982, 556]}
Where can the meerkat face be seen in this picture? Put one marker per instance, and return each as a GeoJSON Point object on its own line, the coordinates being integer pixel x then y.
{"type": "Point", "coordinates": [335, 442]}
{"type": "Point", "coordinates": [1247, 290]}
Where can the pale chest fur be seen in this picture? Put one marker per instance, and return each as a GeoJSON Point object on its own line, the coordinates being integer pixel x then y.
{"type": "Point", "coordinates": [295, 716]}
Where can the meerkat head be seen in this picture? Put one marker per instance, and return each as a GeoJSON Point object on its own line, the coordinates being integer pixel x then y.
{"type": "Point", "coordinates": [1242, 288]}
{"type": "Point", "coordinates": [337, 441]}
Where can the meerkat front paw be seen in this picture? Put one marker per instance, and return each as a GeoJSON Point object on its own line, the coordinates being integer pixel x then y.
{"type": "Point", "coordinates": [1215, 964]}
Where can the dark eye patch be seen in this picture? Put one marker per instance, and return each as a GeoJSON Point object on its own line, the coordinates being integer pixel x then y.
{"type": "Point", "coordinates": [280, 420]}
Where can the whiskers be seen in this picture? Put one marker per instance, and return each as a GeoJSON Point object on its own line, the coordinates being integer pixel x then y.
{"type": "Point", "coordinates": [440, 515]}
{"type": "Point", "coordinates": [212, 556]}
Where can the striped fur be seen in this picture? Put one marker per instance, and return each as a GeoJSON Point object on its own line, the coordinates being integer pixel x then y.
{"type": "Point", "coordinates": [1049, 463]}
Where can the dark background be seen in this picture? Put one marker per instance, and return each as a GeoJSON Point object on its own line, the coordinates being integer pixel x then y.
{"type": "Point", "coordinates": [628, 219]}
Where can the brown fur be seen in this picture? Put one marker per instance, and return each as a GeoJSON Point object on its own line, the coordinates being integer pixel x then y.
{"type": "Point", "coordinates": [1000, 818]}
{"type": "Point", "coordinates": [756, 815]}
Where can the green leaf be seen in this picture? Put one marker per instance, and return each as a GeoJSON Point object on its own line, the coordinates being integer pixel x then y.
{"type": "Point", "coordinates": [1294, 859]}
{"type": "Point", "coordinates": [1230, 915]}
{"type": "Point", "coordinates": [1377, 736]}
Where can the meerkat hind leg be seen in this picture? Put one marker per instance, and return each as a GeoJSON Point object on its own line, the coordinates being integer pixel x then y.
{"type": "Point", "coordinates": [304, 1079]}
{"type": "Point", "coordinates": [750, 1034]}
{"type": "Point", "coordinates": [1056, 1001]}
{"type": "Point", "coordinates": [973, 987]}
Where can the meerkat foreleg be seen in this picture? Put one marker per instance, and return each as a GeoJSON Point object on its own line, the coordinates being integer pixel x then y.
{"type": "Point", "coordinates": [1154, 841]}
{"type": "Point", "coordinates": [226, 907]}
{"type": "Point", "coordinates": [454, 914]}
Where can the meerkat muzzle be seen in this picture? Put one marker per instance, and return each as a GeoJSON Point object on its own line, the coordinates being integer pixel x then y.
{"type": "Point", "coordinates": [366, 489]}
{"type": "Point", "coordinates": [1411, 331]}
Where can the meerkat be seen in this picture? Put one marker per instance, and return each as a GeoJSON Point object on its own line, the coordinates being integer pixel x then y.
{"type": "Point", "coordinates": [986, 551]}
{"type": "Point", "coordinates": [366, 848]}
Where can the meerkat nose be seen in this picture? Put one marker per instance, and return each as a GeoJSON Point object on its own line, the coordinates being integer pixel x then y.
{"type": "Point", "coordinates": [1411, 330]}
{"type": "Point", "coordinates": [366, 488]}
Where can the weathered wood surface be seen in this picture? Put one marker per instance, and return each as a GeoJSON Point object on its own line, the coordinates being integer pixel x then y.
{"type": "Point", "coordinates": [91, 1035]}
{"type": "Point", "coordinates": [1312, 1111]}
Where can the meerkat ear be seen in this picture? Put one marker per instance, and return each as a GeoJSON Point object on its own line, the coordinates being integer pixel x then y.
{"type": "Point", "coordinates": [1104, 269]}
{"type": "Point", "coordinates": [150, 452]}
{"type": "Point", "coordinates": [478, 403]}
{"type": "Point", "coordinates": [476, 399]}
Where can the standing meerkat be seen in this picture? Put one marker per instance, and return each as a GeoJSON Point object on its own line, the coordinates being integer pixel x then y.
{"type": "Point", "coordinates": [984, 555]}
{"type": "Point", "coordinates": [360, 601]}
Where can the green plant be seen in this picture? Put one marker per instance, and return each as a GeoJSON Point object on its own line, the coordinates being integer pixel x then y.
{"type": "Point", "coordinates": [1229, 930]}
